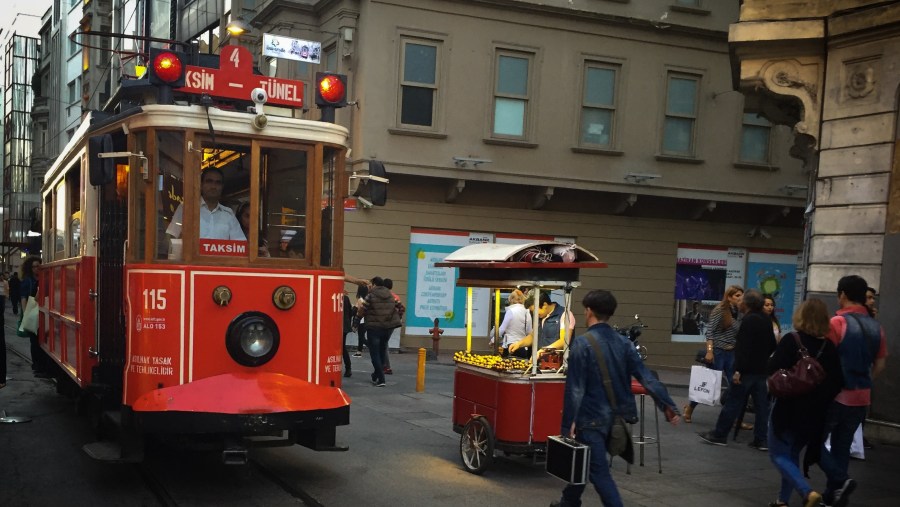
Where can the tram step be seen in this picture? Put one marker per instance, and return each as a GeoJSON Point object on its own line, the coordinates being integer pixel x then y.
{"type": "Point", "coordinates": [110, 452]}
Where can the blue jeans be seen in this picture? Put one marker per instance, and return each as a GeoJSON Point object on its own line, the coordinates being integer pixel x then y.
{"type": "Point", "coordinates": [376, 337]}
{"type": "Point", "coordinates": [723, 360]}
{"type": "Point", "coordinates": [841, 422]}
{"type": "Point", "coordinates": [784, 451]}
{"type": "Point", "coordinates": [599, 474]}
{"type": "Point", "coordinates": [751, 385]}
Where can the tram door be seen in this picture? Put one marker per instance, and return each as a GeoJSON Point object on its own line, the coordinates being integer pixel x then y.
{"type": "Point", "coordinates": [112, 227]}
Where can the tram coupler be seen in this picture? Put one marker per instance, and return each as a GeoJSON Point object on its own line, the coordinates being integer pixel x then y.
{"type": "Point", "coordinates": [234, 453]}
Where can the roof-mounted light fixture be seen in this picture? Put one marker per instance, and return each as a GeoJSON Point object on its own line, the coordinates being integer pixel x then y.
{"type": "Point", "coordinates": [793, 189]}
{"type": "Point", "coordinates": [641, 177]}
{"type": "Point", "coordinates": [475, 162]}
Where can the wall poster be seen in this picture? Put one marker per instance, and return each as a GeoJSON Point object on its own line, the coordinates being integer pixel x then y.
{"type": "Point", "coordinates": [702, 273]}
{"type": "Point", "coordinates": [433, 292]}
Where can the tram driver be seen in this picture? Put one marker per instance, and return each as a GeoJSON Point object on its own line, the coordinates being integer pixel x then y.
{"type": "Point", "coordinates": [551, 317]}
{"type": "Point", "coordinates": [216, 220]}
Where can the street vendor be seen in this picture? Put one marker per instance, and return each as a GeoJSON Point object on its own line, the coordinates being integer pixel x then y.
{"type": "Point", "coordinates": [552, 333]}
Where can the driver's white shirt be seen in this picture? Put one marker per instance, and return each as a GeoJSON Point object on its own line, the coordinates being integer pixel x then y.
{"type": "Point", "coordinates": [219, 223]}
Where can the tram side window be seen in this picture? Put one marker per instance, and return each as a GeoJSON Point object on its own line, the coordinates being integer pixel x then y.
{"type": "Point", "coordinates": [73, 186]}
{"type": "Point", "coordinates": [328, 189]}
{"type": "Point", "coordinates": [169, 192]}
{"type": "Point", "coordinates": [284, 201]}
{"type": "Point", "coordinates": [59, 221]}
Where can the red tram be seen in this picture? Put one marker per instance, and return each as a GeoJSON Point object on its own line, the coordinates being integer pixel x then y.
{"type": "Point", "coordinates": [158, 320]}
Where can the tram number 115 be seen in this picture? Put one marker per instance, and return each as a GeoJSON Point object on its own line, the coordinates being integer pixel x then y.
{"type": "Point", "coordinates": [154, 299]}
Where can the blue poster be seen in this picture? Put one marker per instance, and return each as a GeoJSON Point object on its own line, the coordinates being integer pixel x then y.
{"type": "Point", "coordinates": [775, 275]}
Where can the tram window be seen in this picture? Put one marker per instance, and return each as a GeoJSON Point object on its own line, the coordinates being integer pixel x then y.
{"type": "Point", "coordinates": [284, 173]}
{"type": "Point", "coordinates": [169, 192]}
{"type": "Point", "coordinates": [59, 221]}
{"type": "Point", "coordinates": [224, 185]}
{"type": "Point", "coordinates": [328, 189]}
{"type": "Point", "coordinates": [140, 239]}
{"type": "Point", "coordinates": [73, 185]}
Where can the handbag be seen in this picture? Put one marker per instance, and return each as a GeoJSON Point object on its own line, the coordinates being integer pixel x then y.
{"type": "Point", "coordinates": [29, 318]}
{"type": "Point", "coordinates": [705, 386]}
{"type": "Point", "coordinates": [801, 378]}
{"type": "Point", "coordinates": [618, 441]}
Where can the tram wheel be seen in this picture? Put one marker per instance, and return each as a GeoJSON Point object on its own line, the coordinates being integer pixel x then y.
{"type": "Point", "coordinates": [476, 445]}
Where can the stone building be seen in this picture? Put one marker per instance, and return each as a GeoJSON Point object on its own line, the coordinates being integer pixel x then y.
{"type": "Point", "coordinates": [831, 71]}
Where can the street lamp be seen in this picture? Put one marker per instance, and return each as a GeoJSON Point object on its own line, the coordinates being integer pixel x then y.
{"type": "Point", "coordinates": [237, 27]}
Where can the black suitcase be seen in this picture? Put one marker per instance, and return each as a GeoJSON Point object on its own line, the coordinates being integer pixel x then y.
{"type": "Point", "coordinates": [568, 459]}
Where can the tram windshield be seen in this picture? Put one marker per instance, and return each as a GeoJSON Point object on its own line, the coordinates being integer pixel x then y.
{"type": "Point", "coordinates": [248, 199]}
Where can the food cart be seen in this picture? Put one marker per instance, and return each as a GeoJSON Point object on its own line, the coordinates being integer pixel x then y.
{"type": "Point", "coordinates": [511, 405]}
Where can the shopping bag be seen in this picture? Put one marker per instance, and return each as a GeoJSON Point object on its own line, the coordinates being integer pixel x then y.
{"type": "Point", "coordinates": [857, 449]}
{"type": "Point", "coordinates": [29, 317]}
{"type": "Point", "coordinates": [705, 386]}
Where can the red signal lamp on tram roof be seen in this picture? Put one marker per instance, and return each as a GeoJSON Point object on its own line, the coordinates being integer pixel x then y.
{"type": "Point", "coordinates": [331, 89]}
{"type": "Point", "coordinates": [167, 67]}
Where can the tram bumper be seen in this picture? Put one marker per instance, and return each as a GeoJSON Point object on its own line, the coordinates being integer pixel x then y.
{"type": "Point", "coordinates": [246, 404]}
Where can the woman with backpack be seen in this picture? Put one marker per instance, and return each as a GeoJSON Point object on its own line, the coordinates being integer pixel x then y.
{"type": "Point", "coordinates": [798, 421]}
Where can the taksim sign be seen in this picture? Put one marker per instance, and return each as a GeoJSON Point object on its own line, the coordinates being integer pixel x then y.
{"type": "Point", "coordinates": [234, 79]}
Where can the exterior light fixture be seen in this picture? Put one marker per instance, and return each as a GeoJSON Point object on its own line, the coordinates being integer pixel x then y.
{"type": "Point", "coordinates": [237, 27]}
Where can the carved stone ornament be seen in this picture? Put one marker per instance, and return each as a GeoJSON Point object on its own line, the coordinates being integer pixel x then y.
{"type": "Point", "coordinates": [860, 81]}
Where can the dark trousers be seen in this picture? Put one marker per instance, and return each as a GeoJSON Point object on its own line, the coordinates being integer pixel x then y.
{"type": "Point", "coordinates": [361, 334]}
{"type": "Point", "coordinates": [600, 476]}
{"type": "Point", "coordinates": [376, 336]}
{"type": "Point", "coordinates": [841, 422]}
{"type": "Point", "coordinates": [751, 385]}
{"type": "Point", "coordinates": [14, 302]}
{"type": "Point", "coordinates": [385, 359]}
{"type": "Point", "coordinates": [2, 349]}
{"type": "Point", "coordinates": [346, 354]}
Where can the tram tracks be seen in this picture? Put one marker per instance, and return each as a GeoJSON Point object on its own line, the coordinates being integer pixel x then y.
{"type": "Point", "coordinates": [155, 485]}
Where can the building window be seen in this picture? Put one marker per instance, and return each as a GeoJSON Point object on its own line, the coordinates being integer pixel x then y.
{"type": "Point", "coordinates": [73, 93]}
{"type": "Point", "coordinates": [755, 133]}
{"type": "Point", "coordinates": [681, 115]}
{"type": "Point", "coordinates": [418, 83]}
{"type": "Point", "coordinates": [73, 47]}
{"type": "Point", "coordinates": [598, 105]}
{"type": "Point", "coordinates": [511, 94]}
{"type": "Point", "coordinates": [331, 59]}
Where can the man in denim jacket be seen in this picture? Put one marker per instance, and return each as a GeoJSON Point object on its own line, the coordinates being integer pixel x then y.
{"type": "Point", "coordinates": [587, 413]}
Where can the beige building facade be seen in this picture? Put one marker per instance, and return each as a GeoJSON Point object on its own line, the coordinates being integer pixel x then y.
{"type": "Point", "coordinates": [610, 123]}
{"type": "Point", "coordinates": [831, 71]}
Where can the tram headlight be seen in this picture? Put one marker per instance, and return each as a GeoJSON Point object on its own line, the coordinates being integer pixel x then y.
{"type": "Point", "coordinates": [252, 339]}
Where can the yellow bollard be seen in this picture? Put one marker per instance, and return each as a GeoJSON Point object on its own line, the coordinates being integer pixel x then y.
{"type": "Point", "coordinates": [420, 372]}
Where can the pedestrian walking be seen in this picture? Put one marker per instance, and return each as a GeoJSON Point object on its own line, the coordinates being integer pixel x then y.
{"type": "Point", "coordinates": [359, 323]}
{"type": "Point", "coordinates": [862, 348]}
{"type": "Point", "coordinates": [385, 356]}
{"type": "Point", "coordinates": [15, 293]}
{"type": "Point", "coordinates": [754, 343]}
{"type": "Point", "coordinates": [798, 422]}
{"type": "Point", "coordinates": [382, 314]}
{"type": "Point", "coordinates": [29, 288]}
{"type": "Point", "coordinates": [587, 412]}
{"type": "Point", "coordinates": [724, 323]}
{"type": "Point", "coordinates": [349, 310]}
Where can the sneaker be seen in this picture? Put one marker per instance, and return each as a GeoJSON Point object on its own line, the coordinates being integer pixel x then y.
{"type": "Point", "coordinates": [347, 374]}
{"type": "Point", "coordinates": [813, 499]}
{"type": "Point", "coordinates": [379, 383]}
{"type": "Point", "coordinates": [388, 371]}
{"type": "Point", "coordinates": [710, 438]}
{"type": "Point", "coordinates": [357, 354]}
{"type": "Point", "coordinates": [842, 494]}
{"type": "Point", "coordinates": [759, 445]}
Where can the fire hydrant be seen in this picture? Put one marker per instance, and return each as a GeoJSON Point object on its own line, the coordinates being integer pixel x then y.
{"type": "Point", "coordinates": [436, 333]}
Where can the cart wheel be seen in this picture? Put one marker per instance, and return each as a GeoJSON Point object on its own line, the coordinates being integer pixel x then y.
{"type": "Point", "coordinates": [476, 445]}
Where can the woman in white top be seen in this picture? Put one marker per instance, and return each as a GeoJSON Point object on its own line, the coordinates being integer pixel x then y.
{"type": "Point", "coordinates": [517, 321]}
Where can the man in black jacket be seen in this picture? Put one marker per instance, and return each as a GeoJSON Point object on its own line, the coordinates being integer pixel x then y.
{"type": "Point", "coordinates": [755, 343]}
{"type": "Point", "coordinates": [382, 313]}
